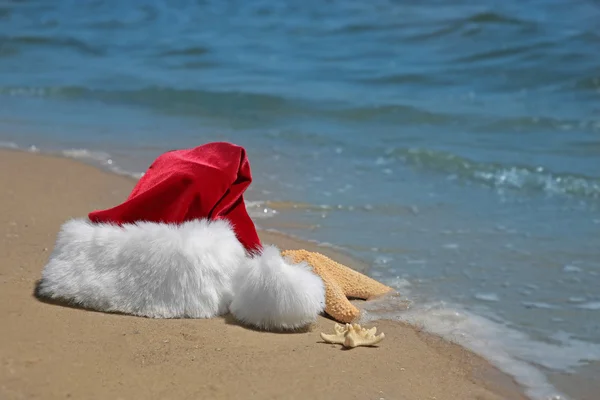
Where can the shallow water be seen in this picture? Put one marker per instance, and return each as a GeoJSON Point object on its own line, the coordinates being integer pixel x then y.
{"type": "Point", "coordinates": [455, 146]}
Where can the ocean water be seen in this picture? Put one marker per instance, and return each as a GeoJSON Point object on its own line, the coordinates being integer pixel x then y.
{"type": "Point", "coordinates": [453, 146]}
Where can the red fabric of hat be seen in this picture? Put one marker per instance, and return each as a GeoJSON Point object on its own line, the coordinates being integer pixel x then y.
{"type": "Point", "coordinates": [207, 181]}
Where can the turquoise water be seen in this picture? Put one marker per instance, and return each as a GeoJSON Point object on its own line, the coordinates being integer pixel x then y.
{"type": "Point", "coordinates": [454, 146]}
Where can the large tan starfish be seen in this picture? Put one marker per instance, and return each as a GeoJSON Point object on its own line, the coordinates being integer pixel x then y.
{"type": "Point", "coordinates": [341, 283]}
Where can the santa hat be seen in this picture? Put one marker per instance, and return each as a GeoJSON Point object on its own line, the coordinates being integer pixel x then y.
{"type": "Point", "coordinates": [183, 246]}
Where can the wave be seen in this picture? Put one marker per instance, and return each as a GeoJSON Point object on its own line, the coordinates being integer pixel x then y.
{"type": "Point", "coordinates": [233, 104]}
{"type": "Point", "coordinates": [145, 94]}
{"type": "Point", "coordinates": [18, 41]}
{"type": "Point", "coordinates": [509, 350]}
{"type": "Point", "coordinates": [97, 158]}
{"type": "Point", "coordinates": [591, 83]}
{"type": "Point", "coordinates": [405, 79]}
{"type": "Point", "coordinates": [490, 17]}
{"type": "Point", "coordinates": [351, 28]}
{"type": "Point", "coordinates": [502, 53]}
{"type": "Point", "coordinates": [471, 25]}
{"type": "Point", "coordinates": [514, 177]}
{"type": "Point", "coordinates": [393, 113]}
{"type": "Point", "coordinates": [214, 104]}
{"type": "Point", "coordinates": [523, 124]}
{"type": "Point", "coordinates": [184, 102]}
{"type": "Point", "coordinates": [186, 51]}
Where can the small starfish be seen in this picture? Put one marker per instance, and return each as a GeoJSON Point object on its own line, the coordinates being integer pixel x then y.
{"type": "Point", "coordinates": [353, 335]}
{"type": "Point", "coordinates": [340, 282]}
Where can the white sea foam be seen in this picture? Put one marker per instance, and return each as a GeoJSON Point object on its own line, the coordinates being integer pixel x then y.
{"type": "Point", "coordinates": [102, 159]}
{"type": "Point", "coordinates": [539, 305]}
{"type": "Point", "coordinates": [511, 351]}
{"type": "Point", "coordinates": [85, 154]}
{"type": "Point", "coordinates": [571, 268]}
{"type": "Point", "coordinates": [8, 145]}
{"type": "Point", "coordinates": [258, 209]}
{"type": "Point", "coordinates": [493, 297]}
{"type": "Point", "coordinates": [383, 261]}
{"type": "Point", "coordinates": [576, 299]}
{"type": "Point", "coordinates": [593, 305]}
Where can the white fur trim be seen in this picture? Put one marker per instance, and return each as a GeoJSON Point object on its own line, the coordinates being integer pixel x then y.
{"type": "Point", "coordinates": [198, 269]}
{"type": "Point", "coordinates": [146, 269]}
{"type": "Point", "coordinates": [273, 293]}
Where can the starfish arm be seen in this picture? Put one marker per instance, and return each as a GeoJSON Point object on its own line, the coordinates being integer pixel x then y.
{"type": "Point", "coordinates": [362, 287]}
{"type": "Point", "coordinates": [355, 339]}
{"type": "Point", "coordinates": [337, 304]}
{"type": "Point", "coordinates": [336, 338]}
{"type": "Point", "coordinates": [353, 283]}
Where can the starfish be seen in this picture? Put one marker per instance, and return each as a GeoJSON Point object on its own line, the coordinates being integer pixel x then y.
{"type": "Point", "coordinates": [340, 282]}
{"type": "Point", "coordinates": [353, 335]}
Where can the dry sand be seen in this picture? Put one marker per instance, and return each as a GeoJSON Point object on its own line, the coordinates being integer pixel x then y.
{"type": "Point", "coordinates": [53, 352]}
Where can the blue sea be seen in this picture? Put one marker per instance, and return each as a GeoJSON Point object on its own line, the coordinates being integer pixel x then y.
{"type": "Point", "coordinates": [454, 146]}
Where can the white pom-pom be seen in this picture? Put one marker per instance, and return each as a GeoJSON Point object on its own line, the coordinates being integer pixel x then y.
{"type": "Point", "coordinates": [272, 293]}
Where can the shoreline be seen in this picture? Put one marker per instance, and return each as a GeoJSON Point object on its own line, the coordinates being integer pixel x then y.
{"type": "Point", "coordinates": [53, 350]}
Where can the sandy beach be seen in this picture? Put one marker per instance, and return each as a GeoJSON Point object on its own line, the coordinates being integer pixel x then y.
{"type": "Point", "coordinates": [50, 351]}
